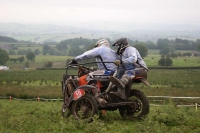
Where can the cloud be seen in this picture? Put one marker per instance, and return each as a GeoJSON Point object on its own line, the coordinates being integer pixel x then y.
{"type": "Point", "coordinates": [93, 11]}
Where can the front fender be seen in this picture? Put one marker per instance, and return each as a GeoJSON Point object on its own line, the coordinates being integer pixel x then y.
{"type": "Point", "coordinates": [84, 88]}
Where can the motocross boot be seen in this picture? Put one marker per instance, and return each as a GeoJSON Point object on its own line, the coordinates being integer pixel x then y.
{"type": "Point", "coordinates": [102, 101]}
{"type": "Point", "coordinates": [121, 83]}
{"type": "Point", "coordinates": [120, 93]}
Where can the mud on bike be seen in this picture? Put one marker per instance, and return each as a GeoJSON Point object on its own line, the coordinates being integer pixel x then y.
{"type": "Point", "coordinates": [87, 92]}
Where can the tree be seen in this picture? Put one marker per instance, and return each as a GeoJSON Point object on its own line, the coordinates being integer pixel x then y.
{"type": "Point", "coordinates": [45, 49]}
{"type": "Point", "coordinates": [91, 47]}
{"type": "Point", "coordinates": [21, 59]}
{"type": "Point", "coordinates": [165, 61]}
{"type": "Point", "coordinates": [74, 51]}
{"type": "Point", "coordinates": [48, 64]}
{"type": "Point", "coordinates": [198, 45]}
{"type": "Point", "coordinates": [52, 51]}
{"type": "Point", "coordinates": [12, 52]}
{"type": "Point", "coordinates": [168, 61]}
{"type": "Point", "coordinates": [4, 57]}
{"type": "Point", "coordinates": [142, 49]}
{"type": "Point", "coordinates": [167, 50]}
{"type": "Point", "coordinates": [30, 56]}
{"type": "Point", "coordinates": [164, 51]}
{"type": "Point", "coordinates": [37, 52]}
{"type": "Point", "coordinates": [150, 45]}
{"type": "Point", "coordinates": [21, 52]}
{"type": "Point", "coordinates": [161, 43]}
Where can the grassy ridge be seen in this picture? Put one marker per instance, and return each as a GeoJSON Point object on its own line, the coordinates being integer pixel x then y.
{"type": "Point", "coordinates": [47, 83]}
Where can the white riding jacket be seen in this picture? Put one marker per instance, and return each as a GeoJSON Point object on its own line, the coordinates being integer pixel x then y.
{"type": "Point", "coordinates": [106, 53]}
{"type": "Point", "coordinates": [130, 58]}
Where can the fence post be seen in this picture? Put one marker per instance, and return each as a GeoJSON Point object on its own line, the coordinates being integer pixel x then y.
{"type": "Point", "coordinates": [10, 99]}
{"type": "Point", "coordinates": [38, 98]}
{"type": "Point", "coordinates": [196, 106]}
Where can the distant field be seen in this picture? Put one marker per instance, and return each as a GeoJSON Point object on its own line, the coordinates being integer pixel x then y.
{"type": "Point", "coordinates": [57, 38]}
{"type": "Point", "coordinates": [151, 61]}
{"type": "Point", "coordinates": [59, 61]}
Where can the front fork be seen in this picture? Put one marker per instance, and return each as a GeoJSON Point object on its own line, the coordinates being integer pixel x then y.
{"type": "Point", "coordinates": [111, 84]}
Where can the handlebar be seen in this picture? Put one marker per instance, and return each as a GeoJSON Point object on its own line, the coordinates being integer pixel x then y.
{"type": "Point", "coordinates": [90, 63]}
{"type": "Point", "coordinates": [77, 65]}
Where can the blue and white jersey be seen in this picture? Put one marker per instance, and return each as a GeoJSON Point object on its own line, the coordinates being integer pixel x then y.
{"type": "Point", "coordinates": [106, 53]}
{"type": "Point", "coordinates": [101, 74]}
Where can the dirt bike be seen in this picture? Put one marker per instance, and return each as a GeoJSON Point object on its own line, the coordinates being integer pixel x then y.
{"type": "Point", "coordinates": [88, 92]}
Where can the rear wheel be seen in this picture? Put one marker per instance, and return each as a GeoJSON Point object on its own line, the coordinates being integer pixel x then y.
{"type": "Point", "coordinates": [85, 107]}
{"type": "Point", "coordinates": [138, 109]}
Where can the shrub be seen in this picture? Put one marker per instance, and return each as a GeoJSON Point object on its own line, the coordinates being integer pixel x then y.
{"type": "Point", "coordinates": [48, 64]}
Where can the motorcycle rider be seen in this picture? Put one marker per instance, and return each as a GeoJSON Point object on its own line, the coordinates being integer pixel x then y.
{"type": "Point", "coordinates": [130, 58]}
{"type": "Point", "coordinates": [102, 52]}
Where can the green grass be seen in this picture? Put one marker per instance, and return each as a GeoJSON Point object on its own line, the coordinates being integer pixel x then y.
{"type": "Point", "coordinates": [152, 61]}
{"type": "Point", "coordinates": [32, 47]}
{"type": "Point", "coordinates": [47, 83]}
{"type": "Point", "coordinates": [60, 61]}
{"type": "Point", "coordinates": [36, 117]}
{"type": "Point", "coordinates": [153, 56]}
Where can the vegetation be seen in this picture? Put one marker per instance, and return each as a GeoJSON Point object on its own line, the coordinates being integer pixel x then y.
{"type": "Point", "coordinates": [7, 39]}
{"type": "Point", "coordinates": [30, 56]}
{"type": "Point", "coordinates": [165, 61]}
{"type": "Point", "coordinates": [34, 116]}
{"type": "Point", "coordinates": [44, 116]}
{"type": "Point", "coordinates": [77, 46]}
{"type": "Point", "coordinates": [48, 64]}
{"type": "Point", "coordinates": [4, 57]}
{"type": "Point", "coordinates": [47, 83]}
{"type": "Point", "coordinates": [142, 49]}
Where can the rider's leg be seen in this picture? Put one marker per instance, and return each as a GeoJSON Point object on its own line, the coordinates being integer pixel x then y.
{"type": "Point", "coordinates": [121, 83]}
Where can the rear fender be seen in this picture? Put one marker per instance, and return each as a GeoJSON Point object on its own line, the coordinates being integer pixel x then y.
{"type": "Point", "coordinates": [79, 92]}
{"type": "Point", "coordinates": [141, 79]}
{"type": "Point", "coordinates": [145, 82]}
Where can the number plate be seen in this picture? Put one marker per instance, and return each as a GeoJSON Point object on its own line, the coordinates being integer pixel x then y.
{"type": "Point", "coordinates": [78, 93]}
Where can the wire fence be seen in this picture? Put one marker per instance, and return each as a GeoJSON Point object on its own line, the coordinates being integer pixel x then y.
{"type": "Point", "coordinates": [195, 104]}
{"type": "Point", "coordinates": [30, 99]}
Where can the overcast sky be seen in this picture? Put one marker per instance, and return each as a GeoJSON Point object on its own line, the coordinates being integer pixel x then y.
{"type": "Point", "coordinates": [101, 11]}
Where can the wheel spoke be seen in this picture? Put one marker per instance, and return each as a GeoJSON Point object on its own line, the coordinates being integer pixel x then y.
{"type": "Point", "coordinates": [139, 108]}
{"type": "Point", "coordinates": [85, 107]}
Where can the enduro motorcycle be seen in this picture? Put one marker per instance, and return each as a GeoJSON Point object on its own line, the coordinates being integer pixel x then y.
{"type": "Point", "coordinates": [88, 92]}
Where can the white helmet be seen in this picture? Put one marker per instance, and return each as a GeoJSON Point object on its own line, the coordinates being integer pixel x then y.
{"type": "Point", "coordinates": [102, 42]}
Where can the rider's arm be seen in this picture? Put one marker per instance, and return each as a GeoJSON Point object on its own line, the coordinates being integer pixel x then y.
{"type": "Point", "coordinates": [89, 54]}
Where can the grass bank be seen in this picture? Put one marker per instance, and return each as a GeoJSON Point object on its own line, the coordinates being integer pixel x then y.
{"type": "Point", "coordinates": [36, 117]}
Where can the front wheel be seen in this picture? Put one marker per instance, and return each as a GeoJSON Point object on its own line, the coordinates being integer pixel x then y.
{"type": "Point", "coordinates": [138, 109]}
{"type": "Point", "coordinates": [85, 107]}
{"type": "Point", "coordinates": [65, 111]}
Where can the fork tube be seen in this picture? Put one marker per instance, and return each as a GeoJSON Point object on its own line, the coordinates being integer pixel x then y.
{"type": "Point", "coordinates": [110, 84]}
